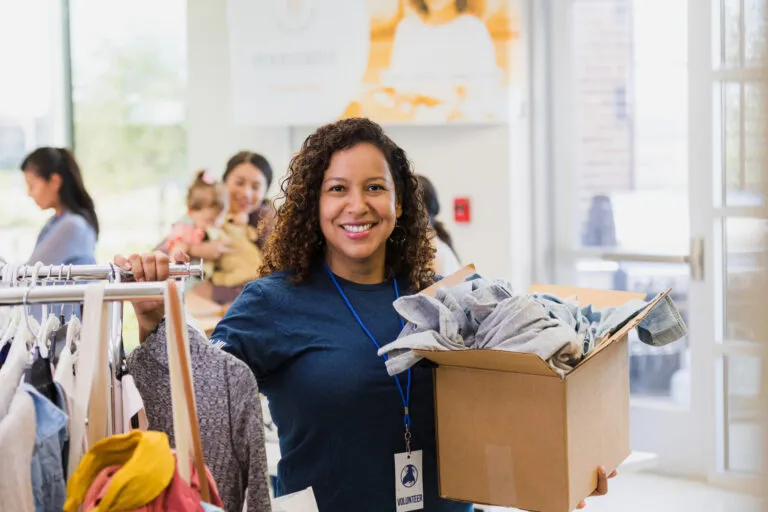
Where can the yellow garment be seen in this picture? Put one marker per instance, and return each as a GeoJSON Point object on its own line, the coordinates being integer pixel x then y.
{"type": "Point", "coordinates": [240, 266]}
{"type": "Point", "coordinates": [147, 469]}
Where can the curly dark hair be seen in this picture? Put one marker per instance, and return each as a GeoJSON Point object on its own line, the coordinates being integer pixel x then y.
{"type": "Point", "coordinates": [296, 243]}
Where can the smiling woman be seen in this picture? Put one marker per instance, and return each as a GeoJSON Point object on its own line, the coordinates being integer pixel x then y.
{"type": "Point", "coordinates": [352, 199]}
{"type": "Point", "coordinates": [351, 235]}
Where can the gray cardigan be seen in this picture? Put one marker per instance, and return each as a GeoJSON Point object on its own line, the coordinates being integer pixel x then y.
{"type": "Point", "coordinates": [228, 409]}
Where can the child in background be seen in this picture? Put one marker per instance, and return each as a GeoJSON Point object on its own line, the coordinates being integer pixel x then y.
{"type": "Point", "coordinates": [207, 202]}
{"type": "Point", "coordinates": [230, 256]}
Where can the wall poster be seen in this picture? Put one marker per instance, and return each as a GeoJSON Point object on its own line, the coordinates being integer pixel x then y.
{"type": "Point", "coordinates": [420, 62]}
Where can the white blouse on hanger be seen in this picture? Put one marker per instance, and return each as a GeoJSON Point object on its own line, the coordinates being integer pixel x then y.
{"type": "Point", "coordinates": [17, 429]}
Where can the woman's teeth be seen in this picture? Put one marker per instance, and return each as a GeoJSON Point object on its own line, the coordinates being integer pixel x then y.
{"type": "Point", "coordinates": [358, 228]}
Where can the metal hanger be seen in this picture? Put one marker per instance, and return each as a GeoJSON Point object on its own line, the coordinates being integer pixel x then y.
{"type": "Point", "coordinates": [9, 274]}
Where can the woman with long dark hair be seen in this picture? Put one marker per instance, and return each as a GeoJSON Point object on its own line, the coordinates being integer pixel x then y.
{"type": "Point", "coordinates": [55, 183]}
{"type": "Point", "coordinates": [352, 235]}
{"type": "Point", "coordinates": [247, 177]}
{"type": "Point", "coordinates": [446, 260]}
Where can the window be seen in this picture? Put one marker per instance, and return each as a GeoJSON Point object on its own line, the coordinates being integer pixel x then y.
{"type": "Point", "coordinates": [129, 66]}
{"type": "Point", "coordinates": [129, 75]}
{"type": "Point", "coordinates": [740, 116]}
{"type": "Point", "coordinates": [33, 110]}
{"type": "Point", "coordinates": [631, 169]}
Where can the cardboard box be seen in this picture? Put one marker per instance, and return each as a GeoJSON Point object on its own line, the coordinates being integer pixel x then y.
{"type": "Point", "coordinates": [513, 433]}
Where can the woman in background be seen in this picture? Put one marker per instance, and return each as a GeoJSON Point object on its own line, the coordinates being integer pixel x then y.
{"type": "Point", "coordinates": [446, 261]}
{"type": "Point", "coordinates": [54, 182]}
{"type": "Point", "coordinates": [247, 178]}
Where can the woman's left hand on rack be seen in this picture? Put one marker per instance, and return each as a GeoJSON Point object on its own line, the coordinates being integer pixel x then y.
{"type": "Point", "coordinates": [149, 267]}
{"type": "Point", "coordinates": [602, 485]}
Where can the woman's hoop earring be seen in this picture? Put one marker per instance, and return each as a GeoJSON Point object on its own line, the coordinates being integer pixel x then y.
{"type": "Point", "coordinates": [398, 235]}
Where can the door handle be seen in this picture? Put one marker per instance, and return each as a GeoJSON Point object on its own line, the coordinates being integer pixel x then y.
{"type": "Point", "coordinates": [697, 259]}
{"type": "Point", "coordinates": [643, 258]}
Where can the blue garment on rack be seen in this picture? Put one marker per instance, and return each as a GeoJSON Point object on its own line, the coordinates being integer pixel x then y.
{"type": "Point", "coordinates": [48, 482]}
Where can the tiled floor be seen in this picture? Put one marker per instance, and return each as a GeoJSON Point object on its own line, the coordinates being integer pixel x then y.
{"type": "Point", "coordinates": [643, 492]}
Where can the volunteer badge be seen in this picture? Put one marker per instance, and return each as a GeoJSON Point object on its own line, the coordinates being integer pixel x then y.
{"type": "Point", "coordinates": [408, 481]}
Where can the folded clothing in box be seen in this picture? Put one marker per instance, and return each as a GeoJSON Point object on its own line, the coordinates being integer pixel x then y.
{"type": "Point", "coordinates": [484, 314]}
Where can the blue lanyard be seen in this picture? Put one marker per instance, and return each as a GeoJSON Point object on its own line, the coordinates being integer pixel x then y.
{"type": "Point", "coordinates": [405, 396]}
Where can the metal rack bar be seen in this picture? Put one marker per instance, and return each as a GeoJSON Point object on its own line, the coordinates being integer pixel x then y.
{"type": "Point", "coordinates": [99, 272]}
{"type": "Point", "coordinates": [76, 293]}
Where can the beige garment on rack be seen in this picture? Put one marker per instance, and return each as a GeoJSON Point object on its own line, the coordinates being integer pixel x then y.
{"type": "Point", "coordinates": [91, 391]}
{"type": "Point", "coordinates": [186, 429]}
{"type": "Point", "coordinates": [181, 430]}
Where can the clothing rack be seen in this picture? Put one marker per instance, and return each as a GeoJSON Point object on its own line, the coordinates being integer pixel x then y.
{"type": "Point", "coordinates": [115, 293]}
{"type": "Point", "coordinates": [98, 272]}
{"type": "Point", "coordinates": [26, 295]}
{"type": "Point", "coordinates": [111, 272]}
{"type": "Point", "coordinates": [120, 289]}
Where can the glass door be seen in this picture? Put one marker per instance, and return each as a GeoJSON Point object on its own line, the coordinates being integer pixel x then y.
{"type": "Point", "coordinates": [659, 157]}
{"type": "Point", "coordinates": [735, 214]}
{"type": "Point", "coordinates": [627, 104]}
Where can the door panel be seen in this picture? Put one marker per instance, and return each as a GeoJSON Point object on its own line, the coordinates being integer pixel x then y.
{"type": "Point", "coordinates": [627, 189]}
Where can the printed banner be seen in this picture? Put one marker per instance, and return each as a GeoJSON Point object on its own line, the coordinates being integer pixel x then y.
{"type": "Point", "coordinates": [307, 62]}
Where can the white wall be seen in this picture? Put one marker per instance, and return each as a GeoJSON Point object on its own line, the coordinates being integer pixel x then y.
{"type": "Point", "coordinates": [212, 135]}
{"type": "Point", "coordinates": [461, 161]}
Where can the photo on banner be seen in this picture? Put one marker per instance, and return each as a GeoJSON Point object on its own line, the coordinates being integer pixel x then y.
{"type": "Point", "coordinates": [303, 62]}
{"type": "Point", "coordinates": [438, 61]}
